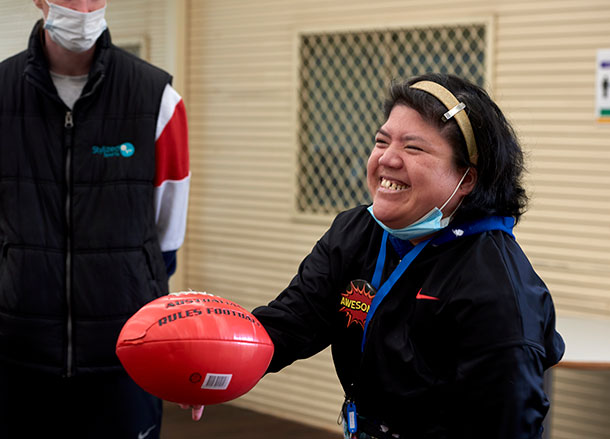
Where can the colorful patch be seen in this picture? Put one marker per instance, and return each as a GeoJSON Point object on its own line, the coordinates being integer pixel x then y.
{"type": "Point", "coordinates": [356, 301]}
{"type": "Point", "coordinates": [123, 150]}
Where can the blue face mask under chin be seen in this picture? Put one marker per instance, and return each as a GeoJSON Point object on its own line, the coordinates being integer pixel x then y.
{"type": "Point", "coordinates": [430, 223]}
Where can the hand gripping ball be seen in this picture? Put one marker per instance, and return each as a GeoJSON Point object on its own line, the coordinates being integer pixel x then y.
{"type": "Point", "coordinates": [194, 348]}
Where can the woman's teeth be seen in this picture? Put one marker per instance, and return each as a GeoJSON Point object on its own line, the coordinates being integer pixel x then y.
{"type": "Point", "coordinates": [392, 185]}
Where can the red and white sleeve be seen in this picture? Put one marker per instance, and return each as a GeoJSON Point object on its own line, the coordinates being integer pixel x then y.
{"type": "Point", "coordinates": [173, 176]}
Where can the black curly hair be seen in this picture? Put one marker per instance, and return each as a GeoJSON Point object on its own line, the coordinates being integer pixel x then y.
{"type": "Point", "coordinates": [498, 190]}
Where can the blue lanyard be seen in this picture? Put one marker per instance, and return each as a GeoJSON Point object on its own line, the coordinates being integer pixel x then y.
{"type": "Point", "coordinates": [388, 284]}
{"type": "Point", "coordinates": [505, 224]}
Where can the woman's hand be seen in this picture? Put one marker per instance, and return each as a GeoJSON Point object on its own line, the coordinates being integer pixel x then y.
{"type": "Point", "coordinates": [196, 410]}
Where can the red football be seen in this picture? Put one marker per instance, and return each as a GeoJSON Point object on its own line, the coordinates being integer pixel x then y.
{"type": "Point", "coordinates": [194, 348]}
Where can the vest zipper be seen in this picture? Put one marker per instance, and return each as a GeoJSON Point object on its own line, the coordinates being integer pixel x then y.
{"type": "Point", "coordinates": [68, 125]}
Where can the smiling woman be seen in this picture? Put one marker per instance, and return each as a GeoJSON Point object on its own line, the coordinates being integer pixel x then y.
{"type": "Point", "coordinates": [439, 326]}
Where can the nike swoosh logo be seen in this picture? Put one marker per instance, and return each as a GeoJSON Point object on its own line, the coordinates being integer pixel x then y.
{"type": "Point", "coordinates": [146, 433]}
{"type": "Point", "coordinates": [423, 296]}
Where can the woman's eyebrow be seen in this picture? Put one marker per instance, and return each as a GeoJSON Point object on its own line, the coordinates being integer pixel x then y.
{"type": "Point", "coordinates": [382, 132]}
{"type": "Point", "coordinates": [405, 138]}
{"type": "Point", "coordinates": [411, 138]}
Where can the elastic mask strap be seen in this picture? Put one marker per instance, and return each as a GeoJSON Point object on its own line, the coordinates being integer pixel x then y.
{"type": "Point", "coordinates": [456, 189]}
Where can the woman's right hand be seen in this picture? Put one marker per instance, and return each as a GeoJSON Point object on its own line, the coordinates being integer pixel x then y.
{"type": "Point", "coordinates": [196, 410]}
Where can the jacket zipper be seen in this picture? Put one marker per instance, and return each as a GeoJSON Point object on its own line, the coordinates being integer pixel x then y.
{"type": "Point", "coordinates": [68, 125]}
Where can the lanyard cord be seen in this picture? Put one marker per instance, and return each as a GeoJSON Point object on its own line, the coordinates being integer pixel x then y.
{"type": "Point", "coordinates": [380, 262]}
{"type": "Point", "coordinates": [505, 224]}
{"type": "Point", "coordinates": [388, 284]}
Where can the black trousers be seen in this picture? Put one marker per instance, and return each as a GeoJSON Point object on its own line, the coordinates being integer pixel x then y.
{"type": "Point", "coordinates": [108, 406]}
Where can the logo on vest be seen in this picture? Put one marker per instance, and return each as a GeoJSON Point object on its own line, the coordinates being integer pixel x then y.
{"type": "Point", "coordinates": [123, 150]}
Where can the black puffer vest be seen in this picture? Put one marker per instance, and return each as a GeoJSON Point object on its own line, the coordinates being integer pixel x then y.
{"type": "Point", "coordinates": [79, 250]}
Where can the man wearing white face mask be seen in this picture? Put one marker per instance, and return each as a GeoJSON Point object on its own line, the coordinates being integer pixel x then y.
{"type": "Point", "coordinates": [94, 180]}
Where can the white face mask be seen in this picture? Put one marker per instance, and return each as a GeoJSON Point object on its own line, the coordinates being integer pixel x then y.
{"type": "Point", "coordinates": [74, 31]}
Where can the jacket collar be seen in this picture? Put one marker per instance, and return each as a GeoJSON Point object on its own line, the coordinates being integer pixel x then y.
{"type": "Point", "coordinates": [460, 230]}
{"type": "Point", "coordinates": [37, 66]}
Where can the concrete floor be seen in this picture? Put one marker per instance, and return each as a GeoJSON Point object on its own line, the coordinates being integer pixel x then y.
{"type": "Point", "coordinates": [229, 422]}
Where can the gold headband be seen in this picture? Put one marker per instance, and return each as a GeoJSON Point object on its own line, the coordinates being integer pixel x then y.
{"type": "Point", "coordinates": [455, 110]}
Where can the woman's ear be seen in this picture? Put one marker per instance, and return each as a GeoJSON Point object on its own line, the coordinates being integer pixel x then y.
{"type": "Point", "coordinates": [469, 182]}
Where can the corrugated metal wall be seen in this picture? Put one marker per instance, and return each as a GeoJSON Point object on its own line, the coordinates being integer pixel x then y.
{"type": "Point", "coordinates": [244, 240]}
{"type": "Point", "coordinates": [16, 22]}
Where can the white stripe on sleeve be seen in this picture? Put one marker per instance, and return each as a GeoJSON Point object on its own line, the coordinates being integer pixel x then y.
{"type": "Point", "coordinates": [171, 202]}
{"type": "Point", "coordinates": [169, 100]}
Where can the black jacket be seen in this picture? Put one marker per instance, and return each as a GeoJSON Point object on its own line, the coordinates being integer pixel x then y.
{"type": "Point", "coordinates": [457, 348]}
{"type": "Point", "coordinates": [79, 251]}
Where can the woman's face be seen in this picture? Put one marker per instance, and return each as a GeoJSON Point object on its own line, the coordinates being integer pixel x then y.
{"type": "Point", "coordinates": [411, 170]}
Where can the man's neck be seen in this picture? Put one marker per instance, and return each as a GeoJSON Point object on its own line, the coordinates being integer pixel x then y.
{"type": "Point", "coordinates": [65, 62]}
